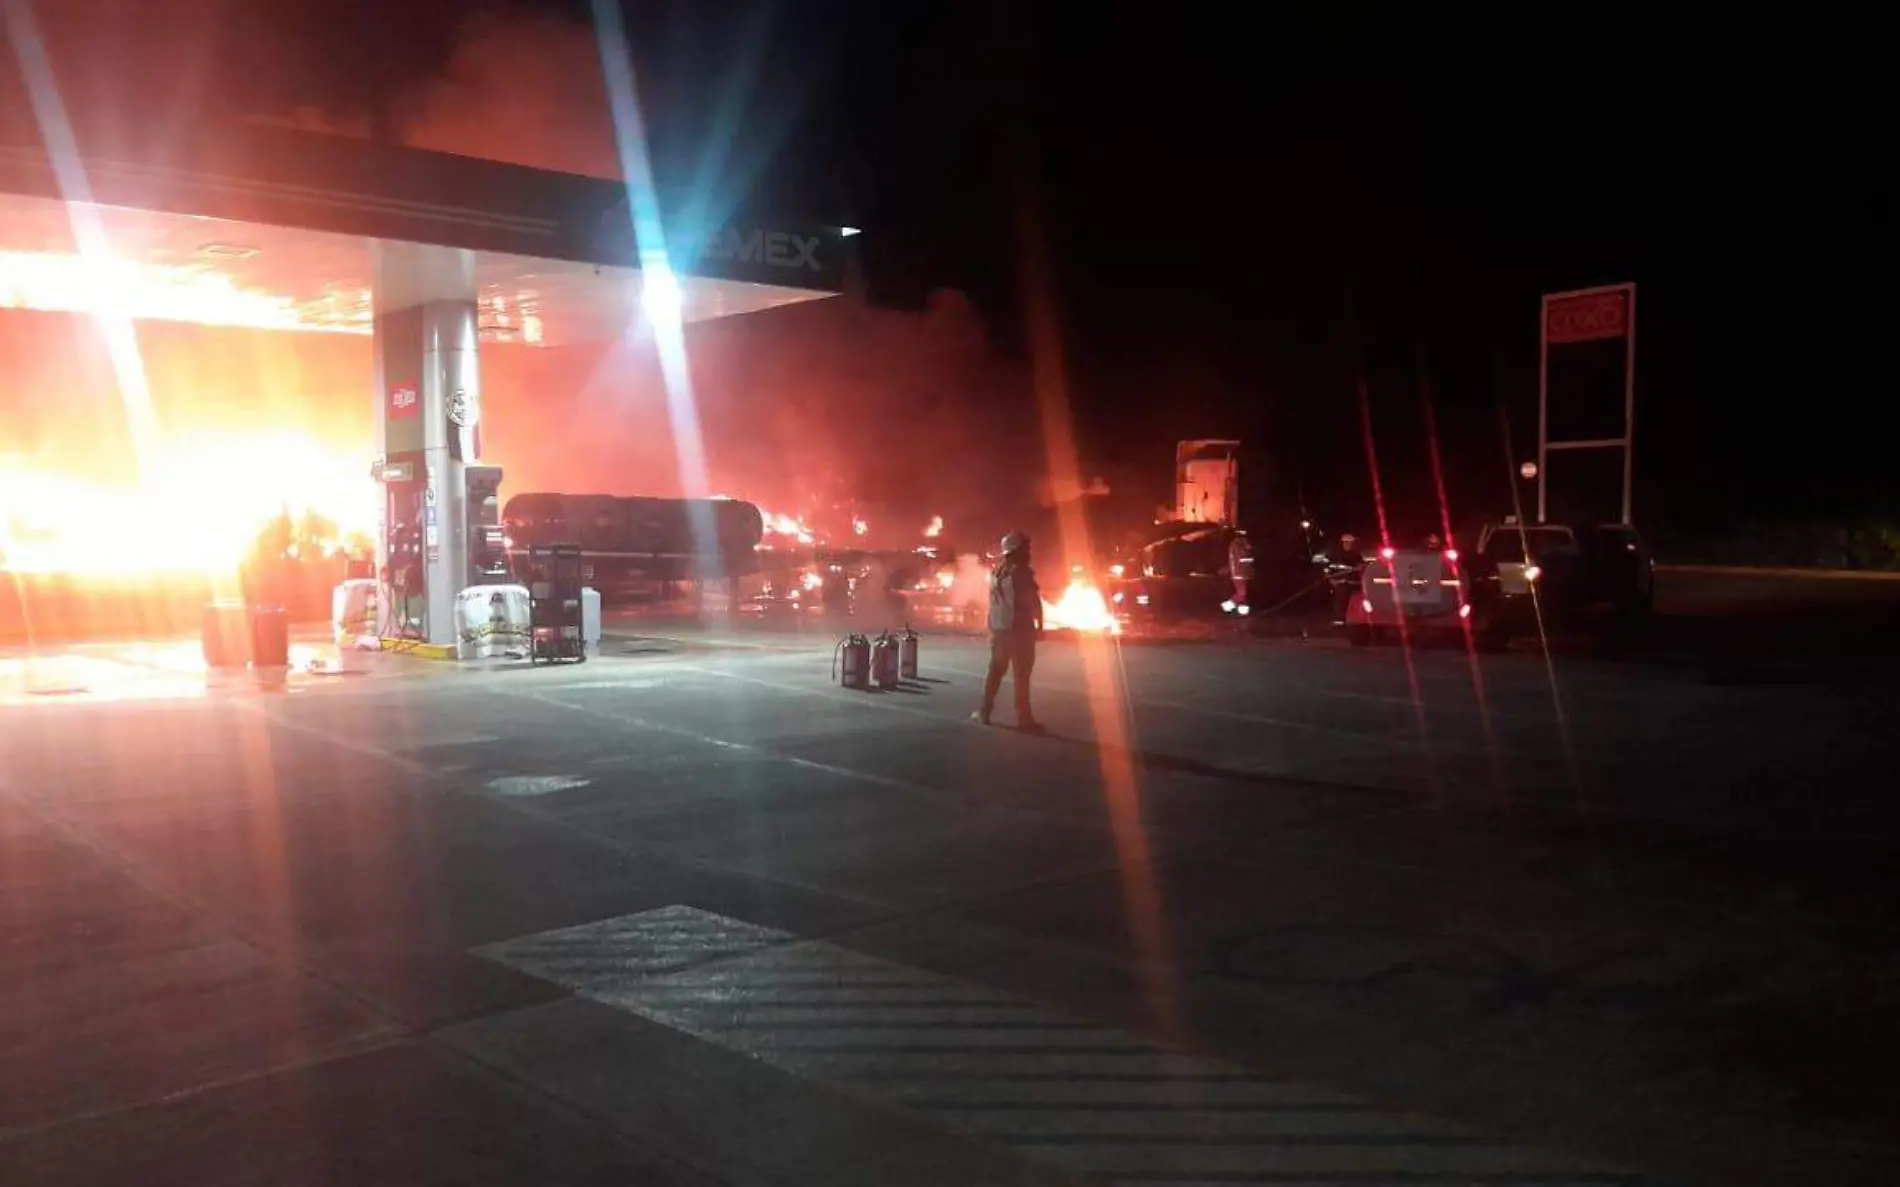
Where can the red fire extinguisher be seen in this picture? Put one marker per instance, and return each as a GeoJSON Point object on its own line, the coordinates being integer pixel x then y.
{"type": "Point", "coordinates": [907, 654]}
{"type": "Point", "coordinates": [884, 661]}
{"type": "Point", "coordinates": [851, 662]}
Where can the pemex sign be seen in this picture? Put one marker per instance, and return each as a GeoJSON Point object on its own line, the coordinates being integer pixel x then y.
{"type": "Point", "coordinates": [790, 256]}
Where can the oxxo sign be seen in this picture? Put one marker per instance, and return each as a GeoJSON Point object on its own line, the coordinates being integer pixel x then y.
{"type": "Point", "coordinates": [1580, 411]}
{"type": "Point", "coordinates": [1587, 317]}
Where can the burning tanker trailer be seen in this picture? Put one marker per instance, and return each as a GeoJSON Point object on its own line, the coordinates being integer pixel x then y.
{"type": "Point", "coordinates": [633, 543]}
{"type": "Point", "coordinates": [640, 546]}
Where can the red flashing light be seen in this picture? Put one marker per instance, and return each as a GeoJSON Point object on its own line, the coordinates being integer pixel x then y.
{"type": "Point", "coordinates": [1464, 611]}
{"type": "Point", "coordinates": [1451, 554]}
{"type": "Point", "coordinates": [1388, 553]}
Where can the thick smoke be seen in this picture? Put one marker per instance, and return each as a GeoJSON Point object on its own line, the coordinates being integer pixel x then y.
{"type": "Point", "coordinates": [826, 408]}
{"type": "Point", "coordinates": [829, 406]}
{"type": "Point", "coordinates": [904, 414]}
{"type": "Point", "coordinates": [525, 90]}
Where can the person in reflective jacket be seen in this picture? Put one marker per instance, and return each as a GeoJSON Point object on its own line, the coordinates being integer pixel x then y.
{"type": "Point", "coordinates": [1240, 568]}
{"type": "Point", "coordinates": [1015, 624]}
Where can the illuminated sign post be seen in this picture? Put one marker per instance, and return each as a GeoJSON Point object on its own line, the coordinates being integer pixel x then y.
{"type": "Point", "coordinates": [1590, 336]}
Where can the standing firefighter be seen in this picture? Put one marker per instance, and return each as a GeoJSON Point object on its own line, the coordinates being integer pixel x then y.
{"type": "Point", "coordinates": [1240, 568]}
{"type": "Point", "coordinates": [1348, 564]}
{"type": "Point", "coordinates": [1015, 623]}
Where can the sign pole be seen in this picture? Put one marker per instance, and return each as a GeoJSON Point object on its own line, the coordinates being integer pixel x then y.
{"type": "Point", "coordinates": [1543, 404]}
{"type": "Point", "coordinates": [1629, 406]}
{"type": "Point", "coordinates": [1586, 315]}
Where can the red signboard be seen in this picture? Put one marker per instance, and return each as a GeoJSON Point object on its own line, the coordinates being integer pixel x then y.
{"type": "Point", "coordinates": [1587, 317]}
{"type": "Point", "coordinates": [404, 401]}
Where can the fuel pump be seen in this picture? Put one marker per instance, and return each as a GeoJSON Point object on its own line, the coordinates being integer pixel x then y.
{"type": "Point", "coordinates": [404, 499]}
{"type": "Point", "coordinates": [428, 393]}
{"type": "Point", "coordinates": [487, 549]}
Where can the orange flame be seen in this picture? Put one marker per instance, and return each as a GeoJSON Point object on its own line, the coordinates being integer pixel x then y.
{"type": "Point", "coordinates": [791, 527]}
{"type": "Point", "coordinates": [196, 292]}
{"type": "Point", "coordinates": [1080, 608]}
{"type": "Point", "coordinates": [197, 509]}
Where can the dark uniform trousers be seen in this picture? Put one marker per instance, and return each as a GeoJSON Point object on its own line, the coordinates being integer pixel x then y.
{"type": "Point", "coordinates": [1010, 650]}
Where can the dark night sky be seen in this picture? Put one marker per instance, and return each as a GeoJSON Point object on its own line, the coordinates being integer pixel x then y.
{"type": "Point", "coordinates": [1241, 216]}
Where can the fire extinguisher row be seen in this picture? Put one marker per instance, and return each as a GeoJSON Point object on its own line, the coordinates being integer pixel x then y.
{"type": "Point", "coordinates": [885, 662]}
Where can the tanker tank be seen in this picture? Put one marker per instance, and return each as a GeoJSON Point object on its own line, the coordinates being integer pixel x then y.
{"type": "Point", "coordinates": [633, 539]}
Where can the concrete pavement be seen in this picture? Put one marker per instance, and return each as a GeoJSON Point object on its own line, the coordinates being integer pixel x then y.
{"type": "Point", "coordinates": [1272, 913]}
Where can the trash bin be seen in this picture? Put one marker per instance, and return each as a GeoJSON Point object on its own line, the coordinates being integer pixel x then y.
{"type": "Point", "coordinates": [270, 637]}
{"type": "Point", "coordinates": [227, 642]}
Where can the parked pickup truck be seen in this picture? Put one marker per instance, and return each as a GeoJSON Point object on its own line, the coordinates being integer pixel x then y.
{"type": "Point", "coordinates": [1544, 578]}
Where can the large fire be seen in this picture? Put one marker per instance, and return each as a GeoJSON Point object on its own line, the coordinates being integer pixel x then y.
{"type": "Point", "coordinates": [196, 508]}
{"type": "Point", "coordinates": [1080, 608]}
{"type": "Point", "coordinates": [194, 292]}
{"type": "Point", "coordinates": [787, 527]}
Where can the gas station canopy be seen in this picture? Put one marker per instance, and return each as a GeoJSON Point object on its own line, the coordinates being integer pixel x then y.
{"type": "Point", "coordinates": [432, 256]}
{"type": "Point", "coordinates": [269, 228]}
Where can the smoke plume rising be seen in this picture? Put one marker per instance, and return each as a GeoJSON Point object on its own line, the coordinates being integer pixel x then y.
{"type": "Point", "coordinates": [805, 407]}
{"type": "Point", "coordinates": [829, 408]}
{"type": "Point", "coordinates": [522, 89]}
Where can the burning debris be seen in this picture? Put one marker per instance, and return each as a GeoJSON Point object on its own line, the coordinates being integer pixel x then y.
{"type": "Point", "coordinates": [816, 529]}
{"type": "Point", "coordinates": [1080, 608]}
{"type": "Point", "coordinates": [782, 530]}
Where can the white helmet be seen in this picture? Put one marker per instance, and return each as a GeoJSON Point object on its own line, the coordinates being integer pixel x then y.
{"type": "Point", "coordinates": [1014, 542]}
